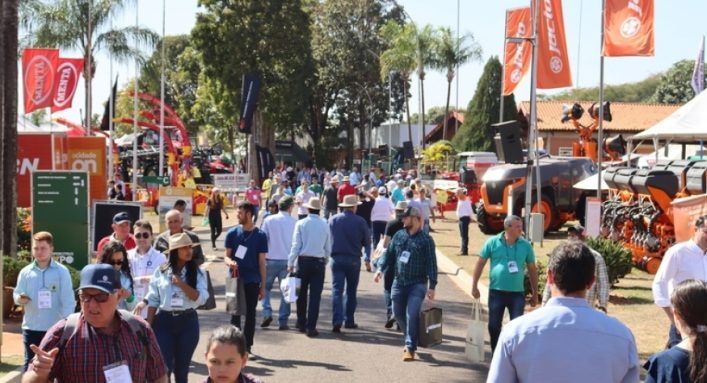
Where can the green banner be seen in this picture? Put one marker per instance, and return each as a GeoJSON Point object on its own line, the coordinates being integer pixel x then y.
{"type": "Point", "coordinates": [60, 206]}
{"type": "Point", "coordinates": [156, 180]}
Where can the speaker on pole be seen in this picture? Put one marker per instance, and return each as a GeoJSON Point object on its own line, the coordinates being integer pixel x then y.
{"type": "Point", "coordinates": [408, 151]}
{"type": "Point", "coordinates": [508, 140]}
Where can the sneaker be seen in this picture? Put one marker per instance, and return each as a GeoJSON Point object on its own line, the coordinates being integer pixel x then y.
{"type": "Point", "coordinates": [408, 355]}
{"type": "Point", "coordinates": [389, 323]}
{"type": "Point", "coordinates": [351, 325]}
{"type": "Point", "coordinates": [336, 329]}
{"type": "Point", "coordinates": [266, 322]}
{"type": "Point", "coordinates": [368, 266]}
{"type": "Point", "coordinates": [312, 333]}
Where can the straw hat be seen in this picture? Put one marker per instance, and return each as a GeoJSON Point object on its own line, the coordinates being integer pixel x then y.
{"type": "Point", "coordinates": [401, 205]}
{"type": "Point", "coordinates": [314, 204]}
{"type": "Point", "coordinates": [346, 179]}
{"type": "Point", "coordinates": [350, 200]}
{"type": "Point", "coordinates": [180, 240]}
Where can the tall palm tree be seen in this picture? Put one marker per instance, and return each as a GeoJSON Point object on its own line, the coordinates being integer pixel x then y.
{"type": "Point", "coordinates": [425, 40]}
{"type": "Point", "coordinates": [67, 24]}
{"type": "Point", "coordinates": [399, 57]}
{"type": "Point", "coordinates": [449, 53]}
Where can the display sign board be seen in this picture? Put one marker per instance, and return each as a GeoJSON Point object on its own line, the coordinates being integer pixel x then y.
{"type": "Point", "coordinates": [34, 152]}
{"type": "Point", "coordinates": [88, 154]}
{"type": "Point", "coordinates": [237, 182]}
{"type": "Point", "coordinates": [102, 218]}
{"type": "Point", "coordinates": [156, 180]}
{"type": "Point", "coordinates": [593, 217]}
{"type": "Point", "coordinates": [685, 213]}
{"type": "Point", "coordinates": [168, 196]}
{"type": "Point", "coordinates": [60, 206]}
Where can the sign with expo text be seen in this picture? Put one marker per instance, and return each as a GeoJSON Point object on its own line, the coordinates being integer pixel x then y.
{"type": "Point", "coordinates": [60, 206]}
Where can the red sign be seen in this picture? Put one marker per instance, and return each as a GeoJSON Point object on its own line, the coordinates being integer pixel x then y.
{"type": "Point", "coordinates": [628, 29]}
{"type": "Point", "coordinates": [553, 61]}
{"type": "Point", "coordinates": [34, 152]}
{"type": "Point", "coordinates": [39, 71]}
{"type": "Point", "coordinates": [517, 54]}
{"type": "Point", "coordinates": [67, 79]}
{"type": "Point", "coordinates": [88, 154]}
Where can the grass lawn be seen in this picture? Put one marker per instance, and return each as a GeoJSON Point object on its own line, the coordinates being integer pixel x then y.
{"type": "Point", "coordinates": [10, 363]}
{"type": "Point", "coordinates": [631, 300]}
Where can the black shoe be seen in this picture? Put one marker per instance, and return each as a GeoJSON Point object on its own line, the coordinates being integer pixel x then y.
{"type": "Point", "coordinates": [389, 323]}
{"type": "Point", "coordinates": [301, 329]}
{"type": "Point", "coordinates": [352, 325]}
{"type": "Point", "coordinates": [336, 329]}
{"type": "Point", "coordinates": [312, 333]}
{"type": "Point", "coordinates": [266, 322]}
{"type": "Point", "coordinates": [283, 327]}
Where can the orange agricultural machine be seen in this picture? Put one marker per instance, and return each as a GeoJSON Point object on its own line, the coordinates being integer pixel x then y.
{"type": "Point", "coordinates": [638, 211]}
{"type": "Point", "coordinates": [613, 147]}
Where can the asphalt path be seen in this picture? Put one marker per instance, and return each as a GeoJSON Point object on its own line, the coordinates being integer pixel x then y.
{"type": "Point", "coordinates": [369, 353]}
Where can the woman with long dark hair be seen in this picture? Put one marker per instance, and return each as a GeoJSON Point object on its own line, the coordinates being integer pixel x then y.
{"type": "Point", "coordinates": [686, 361]}
{"type": "Point", "coordinates": [114, 254]}
{"type": "Point", "coordinates": [215, 205]}
{"type": "Point", "coordinates": [177, 288]}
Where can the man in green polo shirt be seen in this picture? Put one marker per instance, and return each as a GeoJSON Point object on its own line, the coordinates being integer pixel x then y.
{"type": "Point", "coordinates": [510, 254]}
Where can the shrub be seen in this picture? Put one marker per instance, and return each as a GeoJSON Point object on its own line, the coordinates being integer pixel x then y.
{"type": "Point", "coordinates": [11, 270]}
{"type": "Point", "coordinates": [542, 280]}
{"type": "Point", "coordinates": [24, 229]}
{"type": "Point", "coordinates": [616, 257]}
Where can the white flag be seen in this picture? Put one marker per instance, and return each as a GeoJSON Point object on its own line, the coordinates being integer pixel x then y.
{"type": "Point", "coordinates": [698, 74]}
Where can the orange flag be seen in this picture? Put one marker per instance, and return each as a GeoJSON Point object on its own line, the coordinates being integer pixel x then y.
{"type": "Point", "coordinates": [517, 57]}
{"type": "Point", "coordinates": [628, 28]}
{"type": "Point", "coordinates": [553, 61]}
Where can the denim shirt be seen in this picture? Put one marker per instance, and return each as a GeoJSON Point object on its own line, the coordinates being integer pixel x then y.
{"type": "Point", "coordinates": [55, 278]}
{"type": "Point", "coordinates": [162, 290]}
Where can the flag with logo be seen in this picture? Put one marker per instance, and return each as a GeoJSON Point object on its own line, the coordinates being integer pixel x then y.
{"type": "Point", "coordinates": [698, 74]}
{"type": "Point", "coordinates": [518, 55]}
{"type": "Point", "coordinates": [249, 99]}
{"type": "Point", "coordinates": [67, 76]}
{"type": "Point", "coordinates": [628, 28]}
{"type": "Point", "coordinates": [38, 75]}
{"type": "Point", "coordinates": [553, 60]}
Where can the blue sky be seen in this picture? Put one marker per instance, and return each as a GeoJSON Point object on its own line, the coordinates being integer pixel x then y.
{"type": "Point", "coordinates": [679, 27]}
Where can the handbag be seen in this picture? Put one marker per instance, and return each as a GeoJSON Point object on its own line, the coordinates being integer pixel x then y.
{"type": "Point", "coordinates": [430, 329]}
{"type": "Point", "coordinates": [211, 300]}
{"type": "Point", "coordinates": [474, 348]}
{"type": "Point", "coordinates": [290, 287]}
{"type": "Point", "coordinates": [235, 295]}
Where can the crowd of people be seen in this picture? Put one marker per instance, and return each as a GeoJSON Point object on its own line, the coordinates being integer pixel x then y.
{"type": "Point", "coordinates": [138, 301]}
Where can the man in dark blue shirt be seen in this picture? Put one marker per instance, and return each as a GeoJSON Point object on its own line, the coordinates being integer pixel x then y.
{"type": "Point", "coordinates": [246, 250]}
{"type": "Point", "coordinates": [350, 233]}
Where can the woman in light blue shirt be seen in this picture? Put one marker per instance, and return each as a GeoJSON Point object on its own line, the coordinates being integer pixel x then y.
{"type": "Point", "coordinates": [176, 290]}
{"type": "Point", "coordinates": [114, 254]}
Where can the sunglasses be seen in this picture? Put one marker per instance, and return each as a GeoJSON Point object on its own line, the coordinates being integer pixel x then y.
{"type": "Point", "coordinates": [115, 263]}
{"type": "Point", "coordinates": [143, 235]}
{"type": "Point", "coordinates": [99, 298]}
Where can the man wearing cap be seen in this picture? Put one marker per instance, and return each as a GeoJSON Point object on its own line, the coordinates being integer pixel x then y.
{"type": "Point", "coordinates": [600, 289]}
{"type": "Point", "coordinates": [345, 189]}
{"type": "Point", "coordinates": [302, 198]}
{"type": "Point", "coordinates": [380, 215]}
{"type": "Point", "coordinates": [279, 229]}
{"type": "Point", "coordinates": [121, 233]}
{"type": "Point", "coordinates": [510, 254]}
{"type": "Point", "coordinates": [311, 249]}
{"type": "Point", "coordinates": [391, 227]}
{"type": "Point", "coordinates": [104, 345]}
{"type": "Point", "coordinates": [412, 255]}
{"type": "Point", "coordinates": [397, 195]}
{"type": "Point", "coordinates": [366, 199]}
{"type": "Point", "coordinates": [330, 197]}
{"type": "Point", "coordinates": [350, 233]}
{"type": "Point", "coordinates": [175, 225]}
{"type": "Point", "coordinates": [246, 252]}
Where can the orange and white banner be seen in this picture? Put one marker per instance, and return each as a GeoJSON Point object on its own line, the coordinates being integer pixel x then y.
{"type": "Point", "coordinates": [518, 55]}
{"type": "Point", "coordinates": [628, 28]}
{"type": "Point", "coordinates": [39, 75]}
{"type": "Point", "coordinates": [68, 72]}
{"type": "Point", "coordinates": [553, 61]}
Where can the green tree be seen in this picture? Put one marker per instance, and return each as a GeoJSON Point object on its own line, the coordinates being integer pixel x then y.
{"type": "Point", "coordinates": [434, 115]}
{"type": "Point", "coordinates": [674, 87]}
{"type": "Point", "coordinates": [449, 53]}
{"type": "Point", "coordinates": [65, 24]}
{"type": "Point", "coordinates": [39, 116]}
{"type": "Point", "coordinates": [639, 92]}
{"type": "Point", "coordinates": [476, 133]}
{"type": "Point", "coordinates": [399, 57]}
{"type": "Point", "coordinates": [425, 39]}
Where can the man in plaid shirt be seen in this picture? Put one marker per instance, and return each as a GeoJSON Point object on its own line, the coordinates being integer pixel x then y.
{"type": "Point", "coordinates": [412, 254]}
{"type": "Point", "coordinates": [600, 288]}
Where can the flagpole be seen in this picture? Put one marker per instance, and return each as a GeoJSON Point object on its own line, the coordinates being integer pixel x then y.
{"type": "Point", "coordinates": [110, 114]}
{"type": "Point", "coordinates": [161, 166]}
{"type": "Point", "coordinates": [88, 72]}
{"type": "Point", "coordinates": [600, 139]}
{"type": "Point", "coordinates": [503, 68]}
{"type": "Point", "coordinates": [456, 120]}
{"type": "Point", "coordinates": [135, 128]}
{"type": "Point", "coordinates": [532, 124]}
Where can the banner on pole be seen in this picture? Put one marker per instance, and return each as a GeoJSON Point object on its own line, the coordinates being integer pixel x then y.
{"type": "Point", "coordinates": [698, 73]}
{"type": "Point", "coordinates": [628, 28]}
{"type": "Point", "coordinates": [249, 99]}
{"type": "Point", "coordinates": [39, 75]}
{"type": "Point", "coordinates": [67, 79]}
{"type": "Point", "coordinates": [105, 121]}
{"type": "Point", "coordinates": [518, 55]}
{"type": "Point", "coordinates": [553, 61]}
{"type": "Point", "coordinates": [266, 162]}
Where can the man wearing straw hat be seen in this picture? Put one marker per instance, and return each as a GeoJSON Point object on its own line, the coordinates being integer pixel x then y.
{"type": "Point", "coordinates": [350, 233]}
{"type": "Point", "coordinates": [311, 249]}
{"type": "Point", "coordinates": [345, 189]}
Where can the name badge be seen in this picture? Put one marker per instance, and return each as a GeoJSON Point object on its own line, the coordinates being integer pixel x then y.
{"type": "Point", "coordinates": [512, 267]}
{"type": "Point", "coordinates": [44, 300]}
{"type": "Point", "coordinates": [240, 251]}
{"type": "Point", "coordinates": [117, 373]}
{"type": "Point", "coordinates": [177, 301]}
{"type": "Point", "coordinates": [404, 257]}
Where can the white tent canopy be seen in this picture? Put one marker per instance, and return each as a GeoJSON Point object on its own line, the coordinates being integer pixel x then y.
{"type": "Point", "coordinates": [591, 183]}
{"type": "Point", "coordinates": [687, 124]}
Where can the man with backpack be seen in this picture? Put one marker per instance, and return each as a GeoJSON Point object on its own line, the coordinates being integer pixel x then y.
{"type": "Point", "coordinates": [101, 343]}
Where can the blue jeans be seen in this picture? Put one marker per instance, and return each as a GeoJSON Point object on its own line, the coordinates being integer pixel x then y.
{"type": "Point", "coordinates": [345, 270]}
{"type": "Point", "coordinates": [311, 272]}
{"type": "Point", "coordinates": [498, 302]}
{"type": "Point", "coordinates": [378, 231]}
{"type": "Point", "coordinates": [426, 226]}
{"type": "Point", "coordinates": [275, 269]}
{"type": "Point", "coordinates": [328, 213]}
{"type": "Point", "coordinates": [177, 337]}
{"type": "Point", "coordinates": [31, 337]}
{"type": "Point", "coordinates": [407, 302]}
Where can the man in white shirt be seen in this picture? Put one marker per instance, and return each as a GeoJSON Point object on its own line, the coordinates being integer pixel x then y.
{"type": "Point", "coordinates": [279, 229]}
{"type": "Point", "coordinates": [302, 199]}
{"type": "Point", "coordinates": [143, 260]}
{"type": "Point", "coordinates": [382, 212]}
{"type": "Point", "coordinates": [685, 260]}
{"type": "Point", "coordinates": [582, 344]}
{"type": "Point", "coordinates": [464, 215]}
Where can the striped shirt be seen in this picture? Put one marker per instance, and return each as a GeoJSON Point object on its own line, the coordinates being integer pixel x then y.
{"type": "Point", "coordinates": [86, 353]}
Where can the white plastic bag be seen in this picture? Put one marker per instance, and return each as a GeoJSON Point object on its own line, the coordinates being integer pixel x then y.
{"type": "Point", "coordinates": [475, 333]}
{"type": "Point", "coordinates": [290, 288]}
